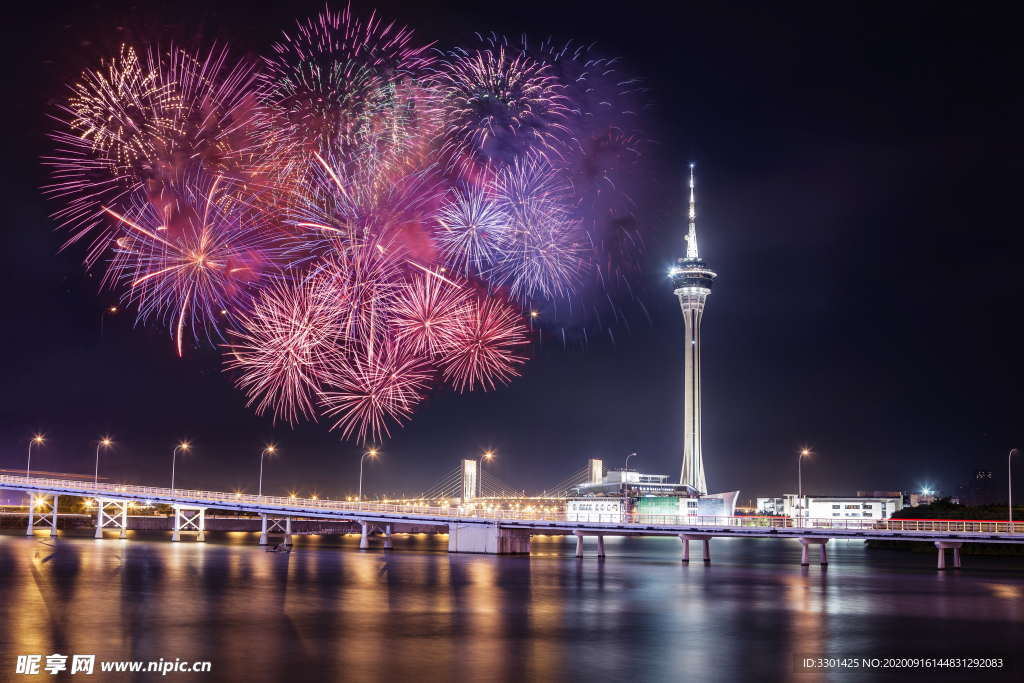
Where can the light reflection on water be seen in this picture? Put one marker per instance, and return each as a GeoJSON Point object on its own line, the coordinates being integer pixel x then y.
{"type": "Point", "coordinates": [330, 612]}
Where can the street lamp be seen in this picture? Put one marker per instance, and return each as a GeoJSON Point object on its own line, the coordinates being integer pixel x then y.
{"type": "Point", "coordinates": [105, 442]}
{"type": "Point", "coordinates": [372, 453]}
{"type": "Point", "coordinates": [269, 450]}
{"type": "Point", "coordinates": [626, 468]}
{"type": "Point", "coordinates": [37, 440]}
{"type": "Point", "coordinates": [183, 446]}
{"type": "Point", "coordinates": [800, 482]}
{"type": "Point", "coordinates": [1009, 471]}
{"type": "Point", "coordinates": [487, 455]}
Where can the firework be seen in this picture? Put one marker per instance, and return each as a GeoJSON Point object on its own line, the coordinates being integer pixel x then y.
{"type": "Point", "coordinates": [281, 348]}
{"type": "Point", "coordinates": [339, 78]}
{"type": "Point", "coordinates": [498, 103]}
{"type": "Point", "coordinates": [471, 230]}
{"type": "Point", "coordinates": [188, 258]}
{"type": "Point", "coordinates": [486, 347]}
{"type": "Point", "coordinates": [360, 217]}
{"type": "Point", "coordinates": [369, 389]}
{"type": "Point", "coordinates": [136, 126]}
{"type": "Point", "coordinates": [544, 249]}
{"type": "Point", "coordinates": [428, 313]}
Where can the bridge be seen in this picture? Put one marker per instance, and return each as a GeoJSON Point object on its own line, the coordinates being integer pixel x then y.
{"type": "Point", "coordinates": [480, 530]}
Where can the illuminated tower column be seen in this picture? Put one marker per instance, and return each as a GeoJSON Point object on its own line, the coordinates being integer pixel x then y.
{"type": "Point", "coordinates": [691, 280]}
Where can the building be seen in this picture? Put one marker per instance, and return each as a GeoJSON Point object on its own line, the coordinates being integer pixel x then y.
{"type": "Point", "coordinates": [832, 507]}
{"type": "Point", "coordinates": [629, 492]}
{"type": "Point", "coordinates": [691, 282]}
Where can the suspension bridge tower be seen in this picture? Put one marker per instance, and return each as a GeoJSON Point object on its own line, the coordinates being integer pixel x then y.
{"type": "Point", "coordinates": [691, 282]}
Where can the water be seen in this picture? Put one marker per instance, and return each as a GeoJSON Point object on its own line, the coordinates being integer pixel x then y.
{"type": "Point", "coordinates": [328, 612]}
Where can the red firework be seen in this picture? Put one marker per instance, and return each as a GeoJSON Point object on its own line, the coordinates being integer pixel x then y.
{"type": "Point", "coordinates": [487, 343]}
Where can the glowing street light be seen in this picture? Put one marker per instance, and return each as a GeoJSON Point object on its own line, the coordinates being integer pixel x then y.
{"type": "Point", "coordinates": [372, 453]}
{"type": "Point", "coordinates": [183, 446]}
{"type": "Point", "coordinates": [626, 468]}
{"type": "Point", "coordinates": [37, 440]}
{"type": "Point", "coordinates": [269, 450]}
{"type": "Point", "coordinates": [109, 310]}
{"type": "Point", "coordinates": [800, 481]}
{"type": "Point", "coordinates": [487, 455]}
{"type": "Point", "coordinates": [105, 442]}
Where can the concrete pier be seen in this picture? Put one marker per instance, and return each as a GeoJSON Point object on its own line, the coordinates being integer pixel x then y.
{"type": "Point", "coordinates": [487, 538]}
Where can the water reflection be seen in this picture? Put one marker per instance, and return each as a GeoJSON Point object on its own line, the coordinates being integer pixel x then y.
{"type": "Point", "coordinates": [330, 612]}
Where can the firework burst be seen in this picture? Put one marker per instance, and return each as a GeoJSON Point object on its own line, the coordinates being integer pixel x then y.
{"type": "Point", "coordinates": [498, 103]}
{"type": "Point", "coordinates": [428, 314]}
{"type": "Point", "coordinates": [487, 346]}
{"type": "Point", "coordinates": [367, 390]}
{"type": "Point", "coordinates": [187, 259]}
{"type": "Point", "coordinates": [472, 230]}
{"type": "Point", "coordinates": [280, 349]}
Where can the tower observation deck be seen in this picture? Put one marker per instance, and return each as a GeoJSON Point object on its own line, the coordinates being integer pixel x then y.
{"type": "Point", "coordinates": [691, 282]}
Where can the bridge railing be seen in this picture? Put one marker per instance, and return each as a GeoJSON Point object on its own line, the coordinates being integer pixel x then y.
{"type": "Point", "coordinates": [298, 506]}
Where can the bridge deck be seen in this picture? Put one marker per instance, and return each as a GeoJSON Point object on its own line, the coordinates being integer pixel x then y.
{"type": "Point", "coordinates": [535, 521]}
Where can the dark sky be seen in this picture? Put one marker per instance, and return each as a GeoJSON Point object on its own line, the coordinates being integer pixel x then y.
{"type": "Point", "coordinates": [859, 171]}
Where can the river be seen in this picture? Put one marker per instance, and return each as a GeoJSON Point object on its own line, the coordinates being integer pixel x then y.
{"type": "Point", "coordinates": [329, 612]}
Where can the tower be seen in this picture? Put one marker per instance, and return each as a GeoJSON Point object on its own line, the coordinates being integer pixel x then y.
{"type": "Point", "coordinates": [691, 282]}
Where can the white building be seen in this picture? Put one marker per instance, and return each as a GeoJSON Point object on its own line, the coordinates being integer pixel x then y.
{"type": "Point", "coordinates": [831, 507]}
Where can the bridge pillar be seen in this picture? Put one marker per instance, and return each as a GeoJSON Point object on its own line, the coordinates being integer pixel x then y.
{"type": "Point", "coordinates": [579, 544]}
{"type": "Point", "coordinates": [31, 508]}
{"type": "Point", "coordinates": [364, 538]}
{"type": "Point", "coordinates": [490, 538]}
{"type": "Point", "coordinates": [804, 555]}
{"type": "Point", "coordinates": [45, 516]}
{"type": "Point", "coordinates": [387, 537]}
{"type": "Point", "coordinates": [189, 518]}
{"type": "Point", "coordinates": [696, 537]}
{"type": "Point", "coordinates": [288, 531]}
{"type": "Point", "coordinates": [111, 514]}
{"type": "Point", "coordinates": [600, 545]}
{"type": "Point", "coordinates": [263, 528]}
{"type": "Point", "coordinates": [941, 547]}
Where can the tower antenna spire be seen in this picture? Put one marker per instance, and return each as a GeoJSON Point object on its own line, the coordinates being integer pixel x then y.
{"type": "Point", "coordinates": [691, 282]}
{"type": "Point", "coordinates": [691, 235]}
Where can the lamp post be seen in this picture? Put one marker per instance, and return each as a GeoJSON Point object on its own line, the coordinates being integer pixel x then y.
{"type": "Point", "coordinates": [372, 453]}
{"type": "Point", "coordinates": [487, 455]}
{"type": "Point", "coordinates": [626, 468]}
{"type": "Point", "coordinates": [270, 449]}
{"type": "Point", "coordinates": [1009, 472]}
{"type": "Point", "coordinates": [800, 482]}
{"type": "Point", "coordinates": [183, 446]}
{"type": "Point", "coordinates": [105, 442]}
{"type": "Point", "coordinates": [36, 440]}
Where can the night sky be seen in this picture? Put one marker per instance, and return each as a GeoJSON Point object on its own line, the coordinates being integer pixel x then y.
{"type": "Point", "coordinates": [858, 171]}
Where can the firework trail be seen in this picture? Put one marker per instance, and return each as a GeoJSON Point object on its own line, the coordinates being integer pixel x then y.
{"type": "Point", "coordinates": [357, 218]}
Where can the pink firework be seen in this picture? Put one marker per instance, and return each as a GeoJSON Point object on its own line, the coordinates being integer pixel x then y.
{"type": "Point", "coordinates": [190, 258]}
{"type": "Point", "coordinates": [369, 390]}
{"type": "Point", "coordinates": [428, 314]}
{"type": "Point", "coordinates": [487, 346]}
{"type": "Point", "coordinates": [136, 126]}
{"type": "Point", "coordinates": [280, 349]}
